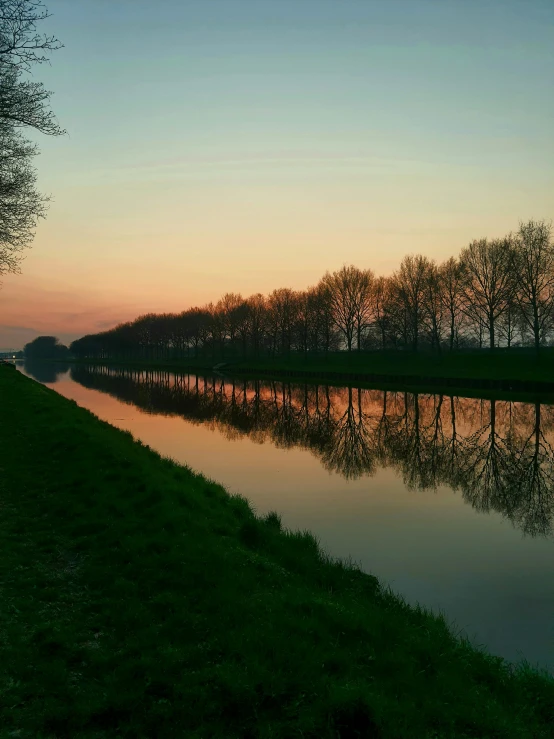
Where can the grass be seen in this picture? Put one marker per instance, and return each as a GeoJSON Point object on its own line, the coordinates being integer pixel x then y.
{"type": "Point", "coordinates": [513, 364]}
{"type": "Point", "coordinates": [139, 599]}
{"type": "Point", "coordinates": [501, 365]}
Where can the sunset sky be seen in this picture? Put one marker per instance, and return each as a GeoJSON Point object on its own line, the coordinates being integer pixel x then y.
{"type": "Point", "coordinates": [245, 145]}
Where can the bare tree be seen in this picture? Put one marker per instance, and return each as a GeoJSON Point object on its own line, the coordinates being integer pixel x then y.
{"type": "Point", "coordinates": [349, 292]}
{"type": "Point", "coordinates": [487, 281]}
{"type": "Point", "coordinates": [198, 322]}
{"type": "Point", "coordinates": [20, 45]}
{"type": "Point", "coordinates": [303, 322]}
{"type": "Point", "coordinates": [23, 104]}
{"type": "Point", "coordinates": [381, 308]}
{"type": "Point", "coordinates": [433, 306]}
{"type": "Point", "coordinates": [21, 205]}
{"type": "Point", "coordinates": [324, 332]}
{"type": "Point", "coordinates": [256, 321]}
{"type": "Point", "coordinates": [283, 311]}
{"type": "Point", "coordinates": [533, 265]}
{"type": "Point", "coordinates": [226, 312]}
{"type": "Point", "coordinates": [241, 318]}
{"type": "Point", "coordinates": [411, 282]}
{"type": "Point", "coordinates": [452, 296]}
{"type": "Point", "coordinates": [509, 323]}
{"type": "Point", "coordinates": [364, 303]}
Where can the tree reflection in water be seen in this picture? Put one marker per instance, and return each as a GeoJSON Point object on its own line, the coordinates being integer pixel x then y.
{"type": "Point", "coordinates": [47, 372]}
{"type": "Point", "coordinates": [499, 454]}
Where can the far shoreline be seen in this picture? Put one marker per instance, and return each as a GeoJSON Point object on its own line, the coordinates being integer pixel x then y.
{"type": "Point", "coordinates": [506, 374]}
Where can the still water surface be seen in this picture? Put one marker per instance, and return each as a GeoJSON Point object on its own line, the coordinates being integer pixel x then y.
{"type": "Point", "coordinates": [448, 500]}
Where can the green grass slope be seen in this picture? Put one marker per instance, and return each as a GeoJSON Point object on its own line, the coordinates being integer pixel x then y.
{"type": "Point", "coordinates": [472, 369]}
{"type": "Point", "coordinates": [513, 364]}
{"type": "Point", "coordinates": [138, 599]}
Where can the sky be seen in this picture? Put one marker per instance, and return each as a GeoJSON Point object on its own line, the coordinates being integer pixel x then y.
{"type": "Point", "coordinates": [244, 145]}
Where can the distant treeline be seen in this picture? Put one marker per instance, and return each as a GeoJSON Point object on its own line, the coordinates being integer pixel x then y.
{"type": "Point", "coordinates": [45, 347]}
{"type": "Point", "coordinates": [498, 292]}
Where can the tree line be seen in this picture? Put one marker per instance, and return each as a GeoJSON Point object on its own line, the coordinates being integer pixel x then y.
{"type": "Point", "coordinates": [497, 292]}
{"type": "Point", "coordinates": [45, 347]}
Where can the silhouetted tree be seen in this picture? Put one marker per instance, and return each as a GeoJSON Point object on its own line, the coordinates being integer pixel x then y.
{"type": "Point", "coordinates": [382, 308]}
{"type": "Point", "coordinates": [487, 282]}
{"type": "Point", "coordinates": [257, 321]}
{"type": "Point", "coordinates": [324, 333]}
{"type": "Point", "coordinates": [348, 291]}
{"type": "Point", "coordinates": [410, 283]}
{"type": "Point", "coordinates": [363, 296]}
{"type": "Point", "coordinates": [23, 104]}
{"type": "Point", "coordinates": [45, 347]}
{"type": "Point", "coordinates": [451, 278]}
{"type": "Point", "coordinates": [455, 304]}
{"type": "Point", "coordinates": [433, 305]}
{"type": "Point", "coordinates": [509, 322]}
{"type": "Point", "coordinates": [226, 311]}
{"type": "Point", "coordinates": [533, 273]}
{"type": "Point", "coordinates": [282, 315]}
{"type": "Point", "coordinates": [21, 205]}
{"type": "Point", "coordinates": [20, 45]}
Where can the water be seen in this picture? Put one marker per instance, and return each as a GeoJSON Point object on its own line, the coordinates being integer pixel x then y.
{"type": "Point", "coordinates": [448, 500]}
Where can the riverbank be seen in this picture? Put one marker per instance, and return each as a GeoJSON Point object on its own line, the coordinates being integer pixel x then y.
{"type": "Point", "coordinates": [139, 595]}
{"type": "Point", "coordinates": [514, 370]}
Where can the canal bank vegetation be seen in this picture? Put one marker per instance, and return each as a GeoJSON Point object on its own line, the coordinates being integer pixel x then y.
{"type": "Point", "coordinates": [140, 599]}
{"type": "Point", "coordinates": [423, 368]}
{"type": "Point", "coordinates": [503, 372]}
{"type": "Point", "coordinates": [525, 391]}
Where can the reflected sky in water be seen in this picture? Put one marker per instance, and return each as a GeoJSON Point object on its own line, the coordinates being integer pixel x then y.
{"type": "Point", "coordinates": [448, 500]}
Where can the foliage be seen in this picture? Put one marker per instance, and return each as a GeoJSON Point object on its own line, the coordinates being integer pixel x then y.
{"type": "Point", "coordinates": [45, 347]}
{"type": "Point", "coordinates": [20, 202]}
{"type": "Point", "coordinates": [24, 104]}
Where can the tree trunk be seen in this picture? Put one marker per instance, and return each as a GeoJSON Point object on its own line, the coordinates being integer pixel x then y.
{"type": "Point", "coordinates": [536, 332]}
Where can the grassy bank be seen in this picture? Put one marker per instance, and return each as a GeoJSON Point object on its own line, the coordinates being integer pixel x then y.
{"type": "Point", "coordinates": [530, 394]}
{"type": "Point", "coordinates": [139, 599]}
{"type": "Point", "coordinates": [513, 364]}
{"type": "Point", "coordinates": [469, 367]}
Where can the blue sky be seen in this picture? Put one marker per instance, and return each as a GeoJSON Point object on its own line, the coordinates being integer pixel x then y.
{"type": "Point", "coordinates": [244, 145]}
